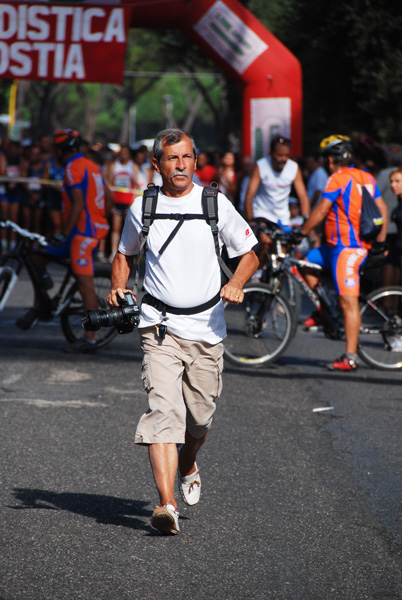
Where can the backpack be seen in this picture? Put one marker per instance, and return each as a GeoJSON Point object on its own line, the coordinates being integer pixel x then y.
{"type": "Point", "coordinates": [371, 219]}
{"type": "Point", "coordinates": [209, 214]}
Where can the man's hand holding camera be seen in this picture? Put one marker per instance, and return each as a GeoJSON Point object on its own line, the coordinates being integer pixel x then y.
{"type": "Point", "coordinates": [115, 294]}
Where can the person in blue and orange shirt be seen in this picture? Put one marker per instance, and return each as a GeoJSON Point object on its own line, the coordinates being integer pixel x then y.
{"type": "Point", "coordinates": [86, 203]}
{"type": "Point", "coordinates": [344, 252]}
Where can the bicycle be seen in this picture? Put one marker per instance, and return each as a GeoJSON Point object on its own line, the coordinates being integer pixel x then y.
{"type": "Point", "coordinates": [271, 270]}
{"type": "Point", "coordinates": [260, 329]}
{"type": "Point", "coordinates": [66, 303]}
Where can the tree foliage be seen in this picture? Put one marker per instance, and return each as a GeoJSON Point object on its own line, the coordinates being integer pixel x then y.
{"type": "Point", "coordinates": [350, 52]}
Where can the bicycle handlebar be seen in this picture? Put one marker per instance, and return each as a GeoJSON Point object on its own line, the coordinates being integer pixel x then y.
{"type": "Point", "coordinates": [282, 240]}
{"type": "Point", "coordinates": [274, 231]}
{"type": "Point", "coordinates": [24, 232]}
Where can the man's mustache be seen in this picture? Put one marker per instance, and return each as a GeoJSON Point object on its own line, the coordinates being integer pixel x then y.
{"type": "Point", "coordinates": [177, 172]}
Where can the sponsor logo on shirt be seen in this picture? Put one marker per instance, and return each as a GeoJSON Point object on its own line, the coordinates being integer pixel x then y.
{"type": "Point", "coordinates": [82, 260]}
{"type": "Point", "coordinates": [352, 259]}
{"type": "Point", "coordinates": [350, 282]}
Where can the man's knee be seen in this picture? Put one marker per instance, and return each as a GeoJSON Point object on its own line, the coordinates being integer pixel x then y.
{"type": "Point", "coordinates": [200, 428]}
{"type": "Point", "coordinates": [348, 303]}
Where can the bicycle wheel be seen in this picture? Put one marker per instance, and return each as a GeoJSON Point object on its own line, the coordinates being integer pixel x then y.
{"type": "Point", "coordinates": [292, 293]}
{"type": "Point", "coordinates": [381, 329]}
{"type": "Point", "coordinates": [290, 290]}
{"type": "Point", "coordinates": [258, 330]}
{"type": "Point", "coordinates": [71, 317]}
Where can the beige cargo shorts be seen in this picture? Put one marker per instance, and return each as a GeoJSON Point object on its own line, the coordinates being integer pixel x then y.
{"type": "Point", "coordinates": [182, 378]}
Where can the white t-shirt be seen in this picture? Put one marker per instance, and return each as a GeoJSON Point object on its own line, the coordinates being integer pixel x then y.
{"type": "Point", "coordinates": [188, 273]}
{"type": "Point", "coordinates": [272, 198]}
{"type": "Point", "coordinates": [123, 174]}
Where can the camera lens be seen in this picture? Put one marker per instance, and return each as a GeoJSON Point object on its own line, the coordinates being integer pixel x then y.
{"type": "Point", "coordinates": [96, 319]}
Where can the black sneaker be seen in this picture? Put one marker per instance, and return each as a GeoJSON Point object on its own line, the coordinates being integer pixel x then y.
{"type": "Point", "coordinates": [82, 346]}
{"type": "Point", "coordinates": [29, 320]}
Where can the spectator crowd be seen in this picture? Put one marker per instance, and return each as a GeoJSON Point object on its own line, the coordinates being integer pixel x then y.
{"type": "Point", "coordinates": [33, 200]}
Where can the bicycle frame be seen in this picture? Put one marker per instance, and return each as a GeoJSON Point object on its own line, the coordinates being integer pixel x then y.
{"type": "Point", "coordinates": [66, 302]}
{"type": "Point", "coordinates": [290, 265]}
{"type": "Point", "coordinates": [22, 257]}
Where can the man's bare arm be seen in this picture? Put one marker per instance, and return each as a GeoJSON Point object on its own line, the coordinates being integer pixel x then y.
{"type": "Point", "coordinates": [121, 269]}
{"type": "Point", "coordinates": [318, 215]}
{"type": "Point", "coordinates": [76, 209]}
{"type": "Point", "coordinates": [233, 291]}
{"type": "Point", "coordinates": [382, 207]}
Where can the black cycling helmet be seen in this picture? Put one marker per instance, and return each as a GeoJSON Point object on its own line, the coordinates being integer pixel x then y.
{"type": "Point", "coordinates": [336, 145]}
{"type": "Point", "coordinates": [66, 139]}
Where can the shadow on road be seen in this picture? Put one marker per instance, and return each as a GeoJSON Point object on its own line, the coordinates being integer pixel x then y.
{"type": "Point", "coordinates": [273, 370]}
{"type": "Point", "coordinates": [108, 510]}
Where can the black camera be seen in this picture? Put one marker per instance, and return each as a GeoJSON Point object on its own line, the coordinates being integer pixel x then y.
{"type": "Point", "coordinates": [126, 317]}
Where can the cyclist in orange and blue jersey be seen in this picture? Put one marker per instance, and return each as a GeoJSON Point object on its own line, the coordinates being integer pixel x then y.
{"type": "Point", "coordinates": [344, 251]}
{"type": "Point", "coordinates": [85, 206]}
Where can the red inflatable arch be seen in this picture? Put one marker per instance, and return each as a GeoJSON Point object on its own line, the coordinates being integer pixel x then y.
{"type": "Point", "coordinates": [84, 40]}
{"type": "Point", "coordinates": [242, 47]}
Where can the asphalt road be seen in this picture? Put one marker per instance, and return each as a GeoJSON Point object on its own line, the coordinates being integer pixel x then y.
{"type": "Point", "coordinates": [296, 504]}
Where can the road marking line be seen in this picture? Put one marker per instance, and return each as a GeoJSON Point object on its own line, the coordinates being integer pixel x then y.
{"type": "Point", "coordinates": [12, 379]}
{"type": "Point", "coordinates": [43, 403]}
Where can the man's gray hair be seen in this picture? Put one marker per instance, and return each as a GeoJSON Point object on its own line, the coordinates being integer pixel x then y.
{"type": "Point", "coordinates": [169, 137]}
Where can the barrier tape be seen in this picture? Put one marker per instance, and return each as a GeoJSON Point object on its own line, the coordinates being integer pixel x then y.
{"type": "Point", "coordinates": [54, 183]}
{"type": "Point", "coordinates": [31, 180]}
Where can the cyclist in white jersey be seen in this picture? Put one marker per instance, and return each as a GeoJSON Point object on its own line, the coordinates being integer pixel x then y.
{"type": "Point", "coordinates": [268, 192]}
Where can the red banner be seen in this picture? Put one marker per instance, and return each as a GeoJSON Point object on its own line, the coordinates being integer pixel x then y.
{"type": "Point", "coordinates": [53, 42]}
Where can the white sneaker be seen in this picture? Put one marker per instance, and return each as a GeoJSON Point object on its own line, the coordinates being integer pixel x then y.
{"type": "Point", "coordinates": [190, 487]}
{"type": "Point", "coordinates": [395, 343]}
{"type": "Point", "coordinates": [166, 519]}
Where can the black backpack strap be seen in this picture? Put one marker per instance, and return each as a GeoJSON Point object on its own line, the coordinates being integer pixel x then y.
{"type": "Point", "coordinates": [210, 210]}
{"type": "Point", "coordinates": [171, 236]}
{"type": "Point", "coordinates": [149, 214]}
{"type": "Point", "coordinates": [166, 308]}
{"type": "Point", "coordinates": [149, 203]}
{"type": "Point", "coordinates": [175, 217]}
